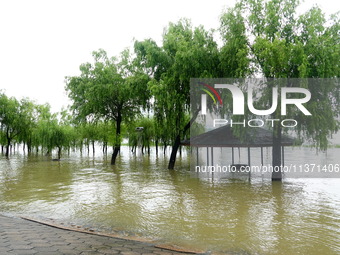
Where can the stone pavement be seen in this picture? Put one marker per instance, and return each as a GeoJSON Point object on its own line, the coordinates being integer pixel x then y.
{"type": "Point", "coordinates": [19, 236]}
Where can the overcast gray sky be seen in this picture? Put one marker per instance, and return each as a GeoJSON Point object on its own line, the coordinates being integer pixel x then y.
{"type": "Point", "coordinates": [42, 41]}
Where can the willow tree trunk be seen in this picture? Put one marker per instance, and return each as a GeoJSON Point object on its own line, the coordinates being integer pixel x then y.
{"type": "Point", "coordinates": [156, 144]}
{"type": "Point", "coordinates": [175, 147]}
{"type": "Point", "coordinates": [7, 149]}
{"type": "Point", "coordinates": [177, 142]}
{"type": "Point", "coordinates": [117, 145]}
{"type": "Point", "coordinates": [8, 143]}
{"type": "Point", "coordinates": [59, 152]}
{"type": "Point", "coordinates": [29, 146]}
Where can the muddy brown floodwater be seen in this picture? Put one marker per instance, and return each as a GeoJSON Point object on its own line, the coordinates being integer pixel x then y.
{"type": "Point", "coordinates": [139, 196]}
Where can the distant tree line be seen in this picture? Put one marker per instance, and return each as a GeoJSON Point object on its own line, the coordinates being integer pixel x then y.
{"type": "Point", "coordinates": [37, 130]}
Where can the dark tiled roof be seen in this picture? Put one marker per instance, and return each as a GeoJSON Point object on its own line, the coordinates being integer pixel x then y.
{"type": "Point", "coordinates": [224, 137]}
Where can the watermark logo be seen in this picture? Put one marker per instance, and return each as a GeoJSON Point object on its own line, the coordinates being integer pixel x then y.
{"type": "Point", "coordinates": [239, 101]}
{"type": "Point", "coordinates": [212, 93]}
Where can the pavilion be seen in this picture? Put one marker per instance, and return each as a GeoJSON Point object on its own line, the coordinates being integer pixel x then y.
{"type": "Point", "coordinates": [223, 137]}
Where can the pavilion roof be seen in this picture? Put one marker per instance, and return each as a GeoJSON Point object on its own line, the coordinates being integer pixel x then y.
{"type": "Point", "coordinates": [224, 137]}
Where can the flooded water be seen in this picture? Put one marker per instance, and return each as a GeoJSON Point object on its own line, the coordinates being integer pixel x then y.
{"type": "Point", "coordinates": [139, 195]}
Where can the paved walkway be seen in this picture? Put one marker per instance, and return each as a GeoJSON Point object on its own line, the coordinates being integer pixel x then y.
{"type": "Point", "coordinates": [19, 236]}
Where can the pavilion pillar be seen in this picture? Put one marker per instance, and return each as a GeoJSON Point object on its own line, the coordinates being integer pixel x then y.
{"type": "Point", "coordinates": [283, 155]}
{"type": "Point", "coordinates": [262, 156]}
{"type": "Point", "coordinates": [249, 162]}
{"type": "Point", "coordinates": [197, 162]}
{"type": "Point", "coordinates": [207, 156]}
{"type": "Point", "coordinates": [232, 155]}
{"type": "Point", "coordinates": [248, 156]}
{"type": "Point", "coordinates": [212, 156]}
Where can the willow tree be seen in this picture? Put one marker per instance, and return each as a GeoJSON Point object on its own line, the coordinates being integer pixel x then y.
{"type": "Point", "coordinates": [41, 135]}
{"type": "Point", "coordinates": [108, 89]}
{"type": "Point", "coordinates": [51, 132]}
{"type": "Point", "coordinates": [281, 44]}
{"type": "Point", "coordinates": [59, 137]}
{"type": "Point", "coordinates": [11, 120]}
{"type": "Point", "coordinates": [106, 133]}
{"type": "Point", "coordinates": [29, 118]}
{"type": "Point", "coordinates": [186, 52]}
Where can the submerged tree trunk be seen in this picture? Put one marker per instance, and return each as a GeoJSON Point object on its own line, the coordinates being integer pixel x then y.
{"type": "Point", "coordinates": [93, 149]}
{"type": "Point", "coordinates": [156, 144]}
{"type": "Point", "coordinates": [59, 152]}
{"type": "Point", "coordinates": [29, 146]}
{"type": "Point", "coordinates": [276, 157]}
{"type": "Point", "coordinates": [177, 142]}
{"type": "Point", "coordinates": [104, 148]}
{"type": "Point", "coordinates": [117, 145]}
{"type": "Point", "coordinates": [114, 155]}
{"type": "Point", "coordinates": [175, 147]}
{"type": "Point", "coordinates": [8, 143]}
{"type": "Point", "coordinates": [7, 149]}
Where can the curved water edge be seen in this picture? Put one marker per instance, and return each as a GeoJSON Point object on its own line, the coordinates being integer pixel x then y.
{"type": "Point", "coordinates": [139, 196]}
